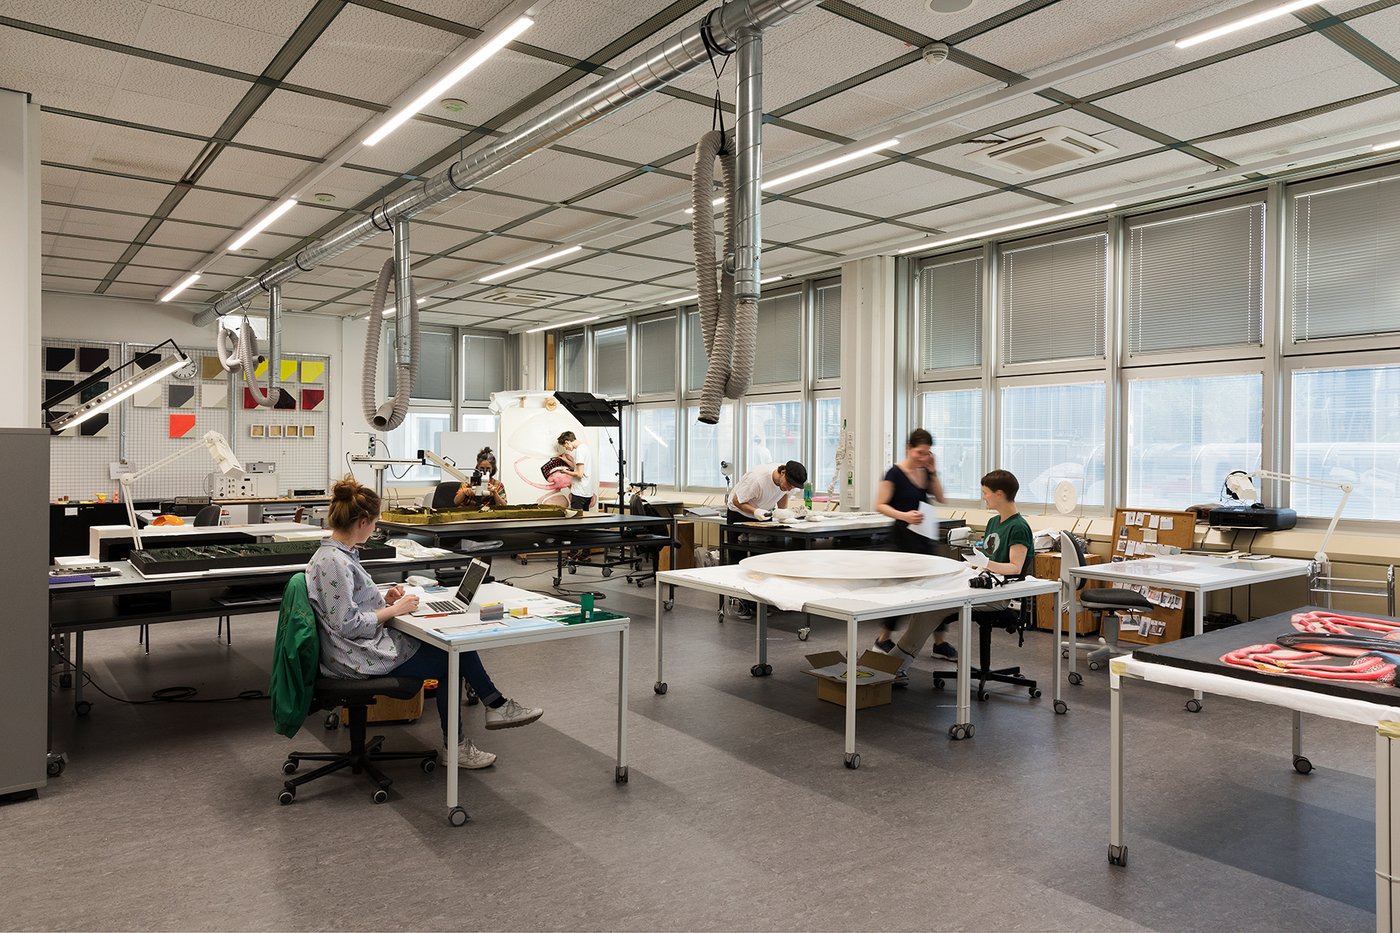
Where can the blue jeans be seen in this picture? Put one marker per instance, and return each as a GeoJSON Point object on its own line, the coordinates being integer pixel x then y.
{"type": "Point", "coordinates": [430, 661]}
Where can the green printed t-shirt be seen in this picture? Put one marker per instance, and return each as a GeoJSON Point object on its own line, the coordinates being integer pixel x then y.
{"type": "Point", "coordinates": [1001, 535]}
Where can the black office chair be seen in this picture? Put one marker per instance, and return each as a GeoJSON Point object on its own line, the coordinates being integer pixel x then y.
{"type": "Point", "coordinates": [1104, 603]}
{"type": "Point", "coordinates": [444, 494]}
{"type": "Point", "coordinates": [208, 516]}
{"type": "Point", "coordinates": [1016, 620]}
{"type": "Point", "coordinates": [640, 506]}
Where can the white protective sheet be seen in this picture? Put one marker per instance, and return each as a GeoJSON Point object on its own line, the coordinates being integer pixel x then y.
{"type": "Point", "coordinates": [791, 594]}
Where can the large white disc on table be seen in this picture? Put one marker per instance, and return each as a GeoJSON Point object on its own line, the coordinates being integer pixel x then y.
{"type": "Point", "coordinates": [838, 564]}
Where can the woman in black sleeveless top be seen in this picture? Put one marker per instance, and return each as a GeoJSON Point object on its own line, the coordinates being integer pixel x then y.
{"type": "Point", "coordinates": [906, 485]}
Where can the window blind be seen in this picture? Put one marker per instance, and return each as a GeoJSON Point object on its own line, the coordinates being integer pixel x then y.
{"type": "Point", "coordinates": [1197, 281]}
{"type": "Point", "coordinates": [1054, 299]}
{"type": "Point", "coordinates": [826, 317]}
{"type": "Point", "coordinates": [695, 359]}
{"type": "Point", "coordinates": [950, 313]}
{"type": "Point", "coordinates": [483, 367]}
{"type": "Point", "coordinates": [1345, 259]}
{"type": "Point", "coordinates": [610, 361]}
{"type": "Point", "coordinates": [436, 346]}
{"type": "Point", "coordinates": [779, 355]}
{"type": "Point", "coordinates": [656, 356]}
{"type": "Point", "coordinates": [570, 370]}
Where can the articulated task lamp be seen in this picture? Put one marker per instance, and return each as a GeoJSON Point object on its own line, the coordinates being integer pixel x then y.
{"type": "Point", "coordinates": [1240, 485]}
{"type": "Point", "coordinates": [219, 451]}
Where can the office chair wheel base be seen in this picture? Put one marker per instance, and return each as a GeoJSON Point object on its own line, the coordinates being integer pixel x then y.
{"type": "Point", "coordinates": [332, 722]}
{"type": "Point", "coordinates": [65, 681]}
{"type": "Point", "coordinates": [290, 766]}
{"type": "Point", "coordinates": [803, 633]}
{"type": "Point", "coordinates": [660, 688]}
{"type": "Point", "coordinates": [1300, 764]}
{"type": "Point", "coordinates": [1193, 705]}
{"type": "Point", "coordinates": [82, 707]}
{"type": "Point", "coordinates": [1061, 707]}
{"type": "Point", "coordinates": [983, 696]}
{"type": "Point", "coordinates": [457, 817]}
{"type": "Point", "coordinates": [853, 760]}
{"type": "Point", "coordinates": [607, 571]}
{"type": "Point", "coordinates": [558, 580]}
{"type": "Point", "coordinates": [573, 568]}
{"type": "Point", "coordinates": [668, 605]}
{"type": "Point", "coordinates": [1118, 855]}
{"type": "Point", "coordinates": [429, 765]}
{"type": "Point", "coordinates": [287, 796]}
{"type": "Point", "coordinates": [1093, 665]}
{"type": "Point", "coordinates": [761, 670]}
{"type": "Point", "coordinates": [1076, 678]}
{"type": "Point", "coordinates": [1034, 692]}
{"type": "Point", "coordinates": [57, 764]}
{"type": "Point", "coordinates": [620, 775]}
{"type": "Point", "coordinates": [379, 796]}
{"type": "Point", "coordinates": [938, 683]}
{"type": "Point", "coordinates": [959, 731]}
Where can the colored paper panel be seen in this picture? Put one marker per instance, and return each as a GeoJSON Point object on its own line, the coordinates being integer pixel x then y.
{"type": "Point", "coordinates": [260, 370]}
{"type": "Point", "coordinates": [286, 401]}
{"type": "Point", "coordinates": [93, 391]}
{"type": "Point", "coordinates": [91, 359]}
{"type": "Point", "coordinates": [312, 371]}
{"type": "Point", "coordinates": [210, 368]}
{"type": "Point", "coordinates": [149, 397]}
{"type": "Point", "coordinates": [60, 360]}
{"type": "Point", "coordinates": [213, 395]}
{"type": "Point", "coordinates": [53, 387]}
{"type": "Point", "coordinates": [180, 425]}
{"type": "Point", "coordinates": [97, 426]}
{"type": "Point", "coordinates": [288, 371]}
{"type": "Point", "coordinates": [181, 396]}
{"type": "Point", "coordinates": [312, 399]}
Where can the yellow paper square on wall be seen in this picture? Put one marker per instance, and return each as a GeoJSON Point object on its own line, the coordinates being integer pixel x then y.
{"type": "Point", "coordinates": [289, 370]}
{"type": "Point", "coordinates": [312, 371]}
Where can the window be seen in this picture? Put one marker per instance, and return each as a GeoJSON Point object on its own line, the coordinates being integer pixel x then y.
{"type": "Point", "coordinates": [436, 348]}
{"type": "Point", "coordinates": [654, 458]}
{"type": "Point", "coordinates": [1345, 280]}
{"type": "Point", "coordinates": [1051, 433]}
{"type": "Point", "coordinates": [1054, 299]}
{"type": "Point", "coordinates": [570, 366]}
{"type": "Point", "coordinates": [695, 359]}
{"type": "Point", "coordinates": [950, 313]}
{"type": "Point", "coordinates": [774, 432]}
{"type": "Point", "coordinates": [656, 356]}
{"type": "Point", "coordinates": [826, 323]}
{"type": "Point", "coordinates": [483, 366]}
{"type": "Point", "coordinates": [1196, 281]}
{"type": "Point", "coordinates": [954, 418]}
{"type": "Point", "coordinates": [421, 430]}
{"type": "Point", "coordinates": [1346, 428]}
{"type": "Point", "coordinates": [828, 425]}
{"type": "Point", "coordinates": [1185, 434]}
{"type": "Point", "coordinates": [610, 361]}
{"type": "Point", "coordinates": [779, 357]}
{"type": "Point", "coordinates": [706, 446]}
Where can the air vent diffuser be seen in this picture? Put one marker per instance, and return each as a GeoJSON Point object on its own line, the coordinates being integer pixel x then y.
{"type": "Point", "coordinates": [1057, 147]}
{"type": "Point", "coordinates": [515, 296]}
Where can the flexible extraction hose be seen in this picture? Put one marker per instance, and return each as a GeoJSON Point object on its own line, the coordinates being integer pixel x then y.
{"type": "Point", "coordinates": [730, 331]}
{"type": "Point", "coordinates": [390, 414]}
{"type": "Point", "coordinates": [226, 345]}
{"type": "Point", "coordinates": [248, 361]}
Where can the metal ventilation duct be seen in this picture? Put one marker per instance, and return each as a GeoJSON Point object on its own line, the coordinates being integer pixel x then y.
{"type": "Point", "coordinates": [653, 69]}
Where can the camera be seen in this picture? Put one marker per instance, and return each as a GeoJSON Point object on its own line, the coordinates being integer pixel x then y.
{"type": "Point", "coordinates": [476, 478]}
{"type": "Point", "coordinates": [985, 581]}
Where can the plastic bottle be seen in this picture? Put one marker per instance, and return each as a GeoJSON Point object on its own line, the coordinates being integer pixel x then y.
{"type": "Point", "coordinates": [807, 495]}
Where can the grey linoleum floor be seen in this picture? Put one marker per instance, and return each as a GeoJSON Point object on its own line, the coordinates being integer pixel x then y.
{"type": "Point", "coordinates": [739, 814]}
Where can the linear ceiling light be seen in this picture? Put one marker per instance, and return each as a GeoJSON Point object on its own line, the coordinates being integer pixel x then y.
{"type": "Point", "coordinates": [472, 62]}
{"type": "Point", "coordinates": [682, 299]}
{"type": "Point", "coordinates": [1382, 147]}
{"type": "Point", "coordinates": [262, 225]}
{"type": "Point", "coordinates": [1245, 23]}
{"type": "Point", "coordinates": [184, 284]}
{"type": "Point", "coordinates": [829, 163]}
{"type": "Point", "coordinates": [1036, 222]}
{"type": "Point", "coordinates": [547, 257]}
{"type": "Point", "coordinates": [581, 320]}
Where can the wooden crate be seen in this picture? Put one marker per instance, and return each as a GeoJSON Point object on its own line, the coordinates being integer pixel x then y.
{"type": "Point", "coordinates": [1047, 567]}
{"type": "Point", "coordinates": [390, 709]}
{"type": "Point", "coordinates": [685, 559]}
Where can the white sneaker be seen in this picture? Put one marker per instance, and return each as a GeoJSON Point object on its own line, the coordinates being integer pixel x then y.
{"type": "Point", "coordinates": [468, 756]}
{"type": "Point", "coordinates": [511, 714]}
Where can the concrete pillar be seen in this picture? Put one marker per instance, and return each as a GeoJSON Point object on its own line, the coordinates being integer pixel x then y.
{"type": "Point", "coordinates": [868, 371]}
{"type": "Point", "coordinates": [20, 350]}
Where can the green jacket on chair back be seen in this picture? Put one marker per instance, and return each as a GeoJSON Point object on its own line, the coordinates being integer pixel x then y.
{"type": "Point", "coordinates": [296, 659]}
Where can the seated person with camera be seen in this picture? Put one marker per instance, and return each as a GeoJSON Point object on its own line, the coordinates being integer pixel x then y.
{"type": "Point", "coordinates": [1006, 547]}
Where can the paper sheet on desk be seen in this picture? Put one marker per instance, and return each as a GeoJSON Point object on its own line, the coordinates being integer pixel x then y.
{"type": "Point", "coordinates": [929, 526]}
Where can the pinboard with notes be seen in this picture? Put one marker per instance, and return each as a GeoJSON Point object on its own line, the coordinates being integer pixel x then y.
{"type": "Point", "coordinates": [1139, 533]}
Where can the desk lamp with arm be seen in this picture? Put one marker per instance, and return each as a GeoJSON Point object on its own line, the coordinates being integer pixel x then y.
{"type": "Point", "coordinates": [1240, 485]}
{"type": "Point", "coordinates": [213, 442]}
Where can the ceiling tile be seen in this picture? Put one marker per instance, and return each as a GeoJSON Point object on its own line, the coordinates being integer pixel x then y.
{"type": "Point", "coordinates": [582, 27]}
{"type": "Point", "coordinates": [187, 236]}
{"type": "Point", "coordinates": [303, 124]}
{"type": "Point", "coordinates": [214, 41]}
{"type": "Point", "coordinates": [408, 146]}
{"type": "Point", "coordinates": [1374, 116]}
{"type": "Point", "coordinates": [115, 20]}
{"type": "Point", "coordinates": [233, 212]}
{"type": "Point", "coordinates": [639, 194]}
{"type": "Point", "coordinates": [894, 189]}
{"type": "Point", "coordinates": [84, 249]}
{"type": "Point", "coordinates": [252, 172]}
{"type": "Point", "coordinates": [554, 176]}
{"type": "Point", "coordinates": [88, 223]}
{"type": "Point", "coordinates": [275, 17]}
{"type": "Point", "coordinates": [893, 98]}
{"type": "Point", "coordinates": [1139, 172]}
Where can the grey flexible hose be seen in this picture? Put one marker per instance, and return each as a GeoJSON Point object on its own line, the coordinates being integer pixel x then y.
{"type": "Point", "coordinates": [226, 345]}
{"type": "Point", "coordinates": [389, 415]}
{"type": "Point", "coordinates": [248, 361]}
{"type": "Point", "coordinates": [717, 311]}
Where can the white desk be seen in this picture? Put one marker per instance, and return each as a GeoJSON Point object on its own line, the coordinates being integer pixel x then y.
{"type": "Point", "coordinates": [1192, 573]}
{"type": "Point", "coordinates": [861, 605]}
{"type": "Point", "coordinates": [1385, 719]}
{"type": "Point", "coordinates": [455, 636]}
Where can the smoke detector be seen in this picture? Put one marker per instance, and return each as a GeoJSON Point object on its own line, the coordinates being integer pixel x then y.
{"type": "Point", "coordinates": [947, 6]}
{"type": "Point", "coordinates": [935, 52]}
{"type": "Point", "coordinates": [1055, 147]}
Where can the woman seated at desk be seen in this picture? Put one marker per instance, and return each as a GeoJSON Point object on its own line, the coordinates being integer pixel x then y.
{"type": "Point", "coordinates": [489, 492]}
{"type": "Point", "coordinates": [353, 620]}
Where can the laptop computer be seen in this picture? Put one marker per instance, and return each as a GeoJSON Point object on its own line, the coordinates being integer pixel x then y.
{"type": "Point", "coordinates": [461, 600]}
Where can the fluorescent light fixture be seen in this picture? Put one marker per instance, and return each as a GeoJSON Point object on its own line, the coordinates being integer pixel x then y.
{"type": "Point", "coordinates": [581, 320]}
{"type": "Point", "coordinates": [770, 279]}
{"type": "Point", "coordinates": [683, 299]}
{"type": "Point", "coordinates": [100, 403]}
{"type": "Point", "coordinates": [829, 163]}
{"type": "Point", "coordinates": [188, 281]}
{"type": "Point", "coordinates": [1245, 23]}
{"type": "Point", "coordinates": [263, 224]}
{"type": "Point", "coordinates": [547, 257]}
{"type": "Point", "coordinates": [472, 62]}
{"type": "Point", "coordinates": [1382, 147]}
{"type": "Point", "coordinates": [1036, 222]}
{"type": "Point", "coordinates": [422, 301]}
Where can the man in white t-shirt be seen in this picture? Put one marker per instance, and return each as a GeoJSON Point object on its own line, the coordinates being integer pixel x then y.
{"type": "Point", "coordinates": [758, 492]}
{"type": "Point", "coordinates": [585, 471]}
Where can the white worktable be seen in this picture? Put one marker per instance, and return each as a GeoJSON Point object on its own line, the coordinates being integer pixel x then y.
{"type": "Point", "coordinates": [1197, 574]}
{"type": "Point", "coordinates": [857, 603]}
{"type": "Point", "coordinates": [459, 633]}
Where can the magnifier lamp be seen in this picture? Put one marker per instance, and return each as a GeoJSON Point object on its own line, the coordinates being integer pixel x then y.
{"type": "Point", "coordinates": [1240, 485]}
{"type": "Point", "coordinates": [219, 451]}
{"type": "Point", "coordinates": [726, 469]}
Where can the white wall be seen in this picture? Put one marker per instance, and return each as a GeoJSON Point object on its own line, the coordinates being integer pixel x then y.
{"type": "Point", "coordinates": [20, 248]}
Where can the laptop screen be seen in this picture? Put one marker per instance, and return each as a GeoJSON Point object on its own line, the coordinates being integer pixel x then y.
{"type": "Point", "coordinates": [476, 572]}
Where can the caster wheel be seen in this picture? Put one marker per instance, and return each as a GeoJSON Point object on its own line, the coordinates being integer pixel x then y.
{"type": "Point", "coordinates": [620, 775]}
{"type": "Point", "coordinates": [1093, 665]}
{"type": "Point", "coordinates": [1061, 707]}
{"type": "Point", "coordinates": [803, 634]}
{"type": "Point", "coordinates": [958, 732]}
{"type": "Point", "coordinates": [659, 687]}
{"type": "Point", "coordinates": [853, 761]}
{"type": "Point", "coordinates": [290, 766]}
{"type": "Point", "coordinates": [969, 730]}
{"type": "Point", "coordinates": [983, 696]}
{"type": "Point", "coordinates": [473, 699]}
{"type": "Point", "coordinates": [82, 708]}
{"type": "Point", "coordinates": [332, 721]}
{"type": "Point", "coordinates": [558, 580]}
{"type": "Point", "coordinates": [1064, 652]}
{"type": "Point", "coordinates": [1076, 678]}
{"type": "Point", "coordinates": [1193, 705]}
{"type": "Point", "coordinates": [55, 767]}
{"type": "Point", "coordinates": [761, 670]}
{"type": "Point", "coordinates": [607, 571]}
{"type": "Point", "coordinates": [379, 796]}
{"type": "Point", "coordinates": [429, 765]}
{"type": "Point", "coordinates": [457, 817]}
{"type": "Point", "coordinates": [65, 681]}
{"type": "Point", "coordinates": [573, 568]}
{"type": "Point", "coordinates": [1300, 764]}
{"type": "Point", "coordinates": [1035, 693]}
{"type": "Point", "coordinates": [668, 605]}
{"type": "Point", "coordinates": [286, 797]}
{"type": "Point", "coordinates": [938, 683]}
{"type": "Point", "coordinates": [1118, 855]}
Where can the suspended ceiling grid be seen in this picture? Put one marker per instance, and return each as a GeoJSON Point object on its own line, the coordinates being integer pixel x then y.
{"type": "Point", "coordinates": [169, 126]}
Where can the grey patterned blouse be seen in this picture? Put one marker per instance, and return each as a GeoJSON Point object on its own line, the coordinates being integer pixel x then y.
{"type": "Point", "coordinates": [344, 597]}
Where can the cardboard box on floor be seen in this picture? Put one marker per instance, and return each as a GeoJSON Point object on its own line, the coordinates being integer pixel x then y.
{"type": "Point", "coordinates": [391, 709]}
{"type": "Point", "coordinates": [874, 677]}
